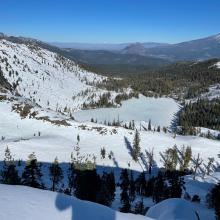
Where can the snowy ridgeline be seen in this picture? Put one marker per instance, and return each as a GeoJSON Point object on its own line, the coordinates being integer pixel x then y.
{"type": "Point", "coordinates": [47, 78]}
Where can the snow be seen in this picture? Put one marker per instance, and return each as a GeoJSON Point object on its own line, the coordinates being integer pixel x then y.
{"type": "Point", "coordinates": [38, 204]}
{"type": "Point", "coordinates": [206, 131]}
{"type": "Point", "coordinates": [172, 209]}
{"type": "Point", "coordinates": [218, 63]}
{"type": "Point", "coordinates": [201, 185]}
{"type": "Point", "coordinates": [213, 93]}
{"type": "Point", "coordinates": [48, 79]}
{"type": "Point", "coordinates": [55, 81]}
{"type": "Point", "coordinates": [161, 111]}
{"type": "Point", "coordinates": [50, 84]}
{"type": "Point", "coordinates": [59, 140]}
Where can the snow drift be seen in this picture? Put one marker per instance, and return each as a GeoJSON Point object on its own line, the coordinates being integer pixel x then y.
{"type": "Point", "coordinates": [173, 209]}
{"type": "Point", "coordinates": [25, 203]}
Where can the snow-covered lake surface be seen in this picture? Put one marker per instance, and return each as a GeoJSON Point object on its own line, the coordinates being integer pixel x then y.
{"type": "Point", "coordinates": [160, 111]}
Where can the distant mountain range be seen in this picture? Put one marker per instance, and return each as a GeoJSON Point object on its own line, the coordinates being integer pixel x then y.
{"type": "Point", "coordinates": [138, 57]}
{"type": "Point", "coordinates": [103, 46]}
{"type": "Point", "coordinates": [200, 49]}
{"type": "Point", "coordinates": [205, 48]}
{"type": "Point", "coordinates": [130, 57]}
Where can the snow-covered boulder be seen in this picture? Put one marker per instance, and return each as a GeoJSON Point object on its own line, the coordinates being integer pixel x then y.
{"type": "Point", "coordinates": [173, 209]}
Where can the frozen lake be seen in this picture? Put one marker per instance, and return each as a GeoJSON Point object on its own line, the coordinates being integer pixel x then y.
{"type": "Point", "coordinates": [160, 110]}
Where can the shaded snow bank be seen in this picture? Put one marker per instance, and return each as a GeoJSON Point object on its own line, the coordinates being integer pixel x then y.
{"type": "Point", "coordinates": [38, 204]}
{"type": "Point", "coordinates": [173, 209]}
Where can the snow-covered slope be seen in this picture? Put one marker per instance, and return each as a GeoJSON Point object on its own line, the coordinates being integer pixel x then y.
{"type": "Point", "coordinates": [21, 136]}
{"type": "Point", "coordinates": [33, 120]}
{"type": "Point", "coordinates": [47, 78]}
{"type": "Point", "coordinates": [38, 204]}
{"type": "Point", "coordinates": [173, 209]}
{"type": "Point", "coordinates": [51, 81]}
{"type": "Point", "coordinates": [213, 93]}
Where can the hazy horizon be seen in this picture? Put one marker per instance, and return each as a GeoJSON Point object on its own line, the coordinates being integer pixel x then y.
{"type": "Point", "coordinates": [111, 22]}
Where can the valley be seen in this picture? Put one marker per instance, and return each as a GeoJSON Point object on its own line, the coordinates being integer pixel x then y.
{"type": "Point", "coordinates": [52, 106]}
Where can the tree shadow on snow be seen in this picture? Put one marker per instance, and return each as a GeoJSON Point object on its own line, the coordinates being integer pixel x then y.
{"type": "Point", "coordinates": [128, 145]}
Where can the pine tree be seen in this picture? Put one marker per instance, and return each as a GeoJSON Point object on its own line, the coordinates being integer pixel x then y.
{"type": "Point", "coordinates": [185, 157]}
{"type": "Point", "coordinates": [132, 187]}
{"type": "Point", "coordinates": [141, 182]}
{"type": "Point", "coordinates": [103, 152]}
{"type": "Point", "coordinates": [170, 158]}
{"type": "Point", "coordinates": [130, 125]}
{"type": "Point", "coordinates": [56, 174]}
{"type": "Point", "coordinates": [133, 124]}
{"type": "Point", "coordinates": [209, 165]}
{"type": "Point", "coordinates": [149, 187]}
{"type": "Point", "coordinates": [111, 183]}
{"type": "Point", "coordinates": [136, 146]}
{"type": "Point", "coordinates": [32, 173]}
{"type": "Point", "coordinates": [149, 125]}
{"type": "Point", "coordinates": [106, 193]}
{"type": "Point", "coordinates": [9, 173]}
{"type": "Point", "coordinates": [78, 138]}
{"type": "Point", "coordinates": [150, 159]}
{"type": "Point", "coordinates": [124, 193]}
{"type": "Point", "coordinates": [175, 185]}
{"type": "Point", "coordinates": [159, 189]}
{"type": "Point", "coordinates": [87, 185]}
{"type": "Point", "coordinates": [216, 200]}
{"type": "Point", "coordinates": [71, 179]}
{"type": "Point", "coordinates": [158, 128]}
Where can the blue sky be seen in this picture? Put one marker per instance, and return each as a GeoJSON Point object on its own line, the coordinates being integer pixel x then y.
{"type": "Point", "coordinates": [110, 21]}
